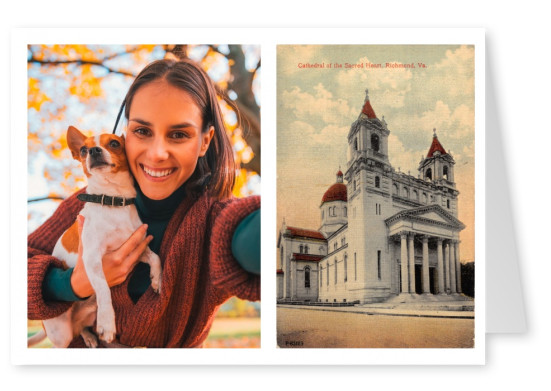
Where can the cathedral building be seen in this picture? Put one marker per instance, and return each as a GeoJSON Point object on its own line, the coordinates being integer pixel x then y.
{"type": "Point", "coordinates": [383, 233]}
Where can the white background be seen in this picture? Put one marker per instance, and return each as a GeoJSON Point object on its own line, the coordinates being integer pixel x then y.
{"type": "Point", "coordinates": [517, 53]}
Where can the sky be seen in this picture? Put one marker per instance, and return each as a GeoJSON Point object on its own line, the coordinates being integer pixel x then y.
{"type": "Point", "coordinates": [316, 107]}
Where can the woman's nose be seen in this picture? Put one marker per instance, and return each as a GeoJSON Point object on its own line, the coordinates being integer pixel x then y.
{"type": "Point", "coordinates": [158, 150]}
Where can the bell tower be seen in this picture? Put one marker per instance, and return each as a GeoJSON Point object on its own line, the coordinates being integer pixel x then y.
{"type": "Point", "coordinates": [368, 138]}
{"type": "Point", "coordinates": [437, 168]}
{"type": "Point", "coordinates": [369, 180]}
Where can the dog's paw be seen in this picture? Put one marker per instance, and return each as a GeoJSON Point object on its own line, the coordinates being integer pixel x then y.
{"type": "Point", "coordinates": [106, 326]}
{"type": "Point", "coordinates": [89, 338]}
{"type": "Point", "coordinates": [156, 282]}
{"type": "Point", "coordinates": [106, 335]}
{"type": "Point", "coordinates": [156, 271]}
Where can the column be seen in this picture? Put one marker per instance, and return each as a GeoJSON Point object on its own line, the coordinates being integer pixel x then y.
{"type": "Point", "coordinates": [404, 262]}
{"type": "Point", "coordinates": [426, 277]}
{"type": "Point", "coordinates": [452, 267]}
{"type": "Point", "coordinates": [441, 288]}
{"type": "Point", "coordinates": [411, 252]}
{"type": "Point", "coordinates": [458, 268]}
{"type": "Point", "coordinates": [447, 265]}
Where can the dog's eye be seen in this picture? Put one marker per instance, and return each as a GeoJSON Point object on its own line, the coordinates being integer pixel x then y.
{"type": "Point", "coordinates": [114, 144]}
{"type": "Point", "coordinates": [83, 151]}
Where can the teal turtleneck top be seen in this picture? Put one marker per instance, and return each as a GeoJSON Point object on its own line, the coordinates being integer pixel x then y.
{"type": "Point", "coordinates": [156, 214]}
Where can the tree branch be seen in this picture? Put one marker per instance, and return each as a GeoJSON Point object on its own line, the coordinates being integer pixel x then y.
{"type": "Point", "coordinates": [79, 62]}
{"type": "Point", "coordinates": [45, 198]}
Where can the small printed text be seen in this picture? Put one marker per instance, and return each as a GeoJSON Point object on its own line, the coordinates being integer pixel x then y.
{"type": "Point", "coordinates": [362, 65]}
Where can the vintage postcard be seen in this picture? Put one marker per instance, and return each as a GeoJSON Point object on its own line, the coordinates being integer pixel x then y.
{"type": "Point", "coordinates": [375, 196]}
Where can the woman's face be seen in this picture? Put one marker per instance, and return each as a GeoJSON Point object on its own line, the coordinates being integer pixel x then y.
{"type": "Point", "coordinates": [164, 139]}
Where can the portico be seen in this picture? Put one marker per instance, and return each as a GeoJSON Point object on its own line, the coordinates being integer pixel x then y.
{"type": "Point", "coordinates": [427, 239]}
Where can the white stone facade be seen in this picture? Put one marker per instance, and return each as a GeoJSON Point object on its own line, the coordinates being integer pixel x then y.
{"type": "Point", "coordinates": [383, 232]}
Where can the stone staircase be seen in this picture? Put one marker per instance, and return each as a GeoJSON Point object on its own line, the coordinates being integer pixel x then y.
{"type": "Point", "coordinates": [452, 302]}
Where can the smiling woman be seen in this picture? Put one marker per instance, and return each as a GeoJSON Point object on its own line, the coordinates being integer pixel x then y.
{"type": "Point", "coordinates": [164, 138]}
{"type": "Point", "coordinates": [181, 158]}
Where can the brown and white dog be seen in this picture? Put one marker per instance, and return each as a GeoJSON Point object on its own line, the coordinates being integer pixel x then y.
{"type": "Point", "coordinates": [110, 217]}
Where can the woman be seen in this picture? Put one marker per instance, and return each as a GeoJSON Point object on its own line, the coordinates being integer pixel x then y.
{"type": "Point", "coordinates": [182, 161]}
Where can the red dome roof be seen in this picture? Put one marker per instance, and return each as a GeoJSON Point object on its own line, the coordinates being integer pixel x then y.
{"type": "Point", "coordinates": [336, 192]}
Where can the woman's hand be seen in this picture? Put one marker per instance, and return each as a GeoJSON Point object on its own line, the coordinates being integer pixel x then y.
{"type": "Point", "coordinates": [117, 264]}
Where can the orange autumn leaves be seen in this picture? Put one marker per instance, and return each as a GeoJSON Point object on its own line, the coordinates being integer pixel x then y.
{"type": "Point", "coordinates": [83, 85]}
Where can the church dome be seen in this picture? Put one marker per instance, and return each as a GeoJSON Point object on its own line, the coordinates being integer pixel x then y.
{"type": "Point", "coordinates": [337, 191]}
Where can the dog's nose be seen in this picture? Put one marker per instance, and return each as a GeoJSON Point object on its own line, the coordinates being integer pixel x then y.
{"type": "Point", "coordinates": [95, 151]}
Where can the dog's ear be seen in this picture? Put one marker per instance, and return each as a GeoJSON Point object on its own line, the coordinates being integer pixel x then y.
{"type": "Point", "coordinates": [75, 140]}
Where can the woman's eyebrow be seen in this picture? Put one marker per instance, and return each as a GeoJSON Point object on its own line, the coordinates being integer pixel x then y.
{"type": "Point", "coordinates": [141, 121]}
{"type": "Point", "coordinates": [183, 125]}
{"type": "Point", "coordinates": [175, 126]}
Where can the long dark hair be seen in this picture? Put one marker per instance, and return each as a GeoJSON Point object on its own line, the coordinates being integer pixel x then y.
{"type": "Point", "coordinates": [216, 169]}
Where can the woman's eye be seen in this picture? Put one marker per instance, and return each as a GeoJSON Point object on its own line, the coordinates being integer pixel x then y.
{"type": "Point", "coordinates": [114, 144]}
{"type": "Point", "coordinates": [179, 135]}
{"type": "Point", "coordinates": [141, 132]}
{"type": "Point", "coordinates": [83, 151]}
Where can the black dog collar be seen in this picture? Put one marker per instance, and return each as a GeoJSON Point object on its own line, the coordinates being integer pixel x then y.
{"type": "Point", "coordinates": [106, 200]}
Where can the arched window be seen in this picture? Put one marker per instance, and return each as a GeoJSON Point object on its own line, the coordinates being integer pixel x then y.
{"type": "Point", "coordinates": [377, 182]}
{"type": "Point", "coordinates": [356, 144]}
{"type": "Point", "coordinates": [345, 212]}
{"type": "Point", "coordinates": [307, 277]}
{"type": "Point", "coordinates": [395, 189]}
{"type": "Point", "coordinates": [305, 249]}
{"type": "Point", "coordinates": [428, 174]}
{"type": "Point", "coordinates": [415, 195]}
{"type": "Point", "coordinates": [445, 173]}
{"type": "Point", "coordinates": [375, 142]}
{"type": "Point", "coordinates": [405, 192]}
{"type": "Point", "coordinates": [425, 198]}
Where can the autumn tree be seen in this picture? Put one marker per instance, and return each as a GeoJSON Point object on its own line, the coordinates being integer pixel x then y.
{"type": "Point", "coordinates": [84, 85]}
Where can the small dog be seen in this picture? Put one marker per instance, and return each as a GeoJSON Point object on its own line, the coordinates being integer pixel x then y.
{"type": "Point", "coordinates": [110, 218]}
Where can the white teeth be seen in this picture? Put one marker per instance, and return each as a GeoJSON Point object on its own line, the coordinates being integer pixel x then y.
{"type": "Point", "coordinates": [157, 174]}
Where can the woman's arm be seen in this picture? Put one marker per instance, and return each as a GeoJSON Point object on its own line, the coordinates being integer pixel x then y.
{"type": "Point", "coordinates": [116, 264]}
{"type": "Point", "coordinates": [228, 274]}
{"type": "Point", "coordinates": [245, 243]}
{"type": "Point", "coordinates": [40, 245]}
{"type": "Point", "coordinates": [73, 284]}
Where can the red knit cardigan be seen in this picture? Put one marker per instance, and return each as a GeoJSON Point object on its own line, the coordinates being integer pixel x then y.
{"type": "Point", "coordinates": [199, 274]}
